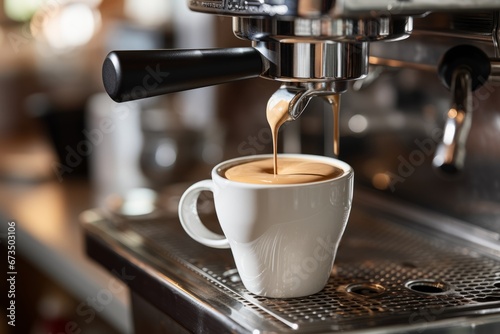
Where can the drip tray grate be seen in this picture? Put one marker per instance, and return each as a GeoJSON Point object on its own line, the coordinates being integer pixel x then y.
{"type": "Point", "coordinates": [385, 273]}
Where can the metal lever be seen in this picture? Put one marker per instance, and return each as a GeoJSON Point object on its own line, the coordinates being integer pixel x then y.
{"type": "Point", "coordinates": [132, 75]}
{"type": "Point", "coordinates": [463, 69]}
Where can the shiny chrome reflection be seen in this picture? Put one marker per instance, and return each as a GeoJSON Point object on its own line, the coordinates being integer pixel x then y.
{"type": "Point", "coordinates": [450, 153]}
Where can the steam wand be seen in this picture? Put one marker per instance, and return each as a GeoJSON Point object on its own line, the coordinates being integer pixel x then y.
{"type": "Point", "coordinates": [463, 69]}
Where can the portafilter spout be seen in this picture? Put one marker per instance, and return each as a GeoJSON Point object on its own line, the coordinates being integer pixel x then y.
{"type": "Point", "coordinates": [298, 95]}
{"type": "Point", "coordinates": [293, 99]}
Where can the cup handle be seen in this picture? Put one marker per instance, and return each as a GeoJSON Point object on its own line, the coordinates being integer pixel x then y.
{"type": "Point", "coordinates": [191, 222]}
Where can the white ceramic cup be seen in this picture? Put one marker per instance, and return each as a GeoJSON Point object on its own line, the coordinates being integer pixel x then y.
{"type": "Point", "coordinates": [284, 238]}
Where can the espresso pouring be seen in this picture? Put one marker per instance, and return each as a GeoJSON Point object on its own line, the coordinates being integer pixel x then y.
{"type": "Point", "coordinates": [286, 170]}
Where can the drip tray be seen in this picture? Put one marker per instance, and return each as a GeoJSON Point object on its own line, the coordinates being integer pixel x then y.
{"type": "Point", "coordinates": [390, 274]}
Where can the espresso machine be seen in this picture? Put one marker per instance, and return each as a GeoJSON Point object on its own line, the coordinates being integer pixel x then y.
{"type": "Point", "coordinates": [419, 123]}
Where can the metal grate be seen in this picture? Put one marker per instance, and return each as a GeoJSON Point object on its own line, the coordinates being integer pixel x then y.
{"type": "Point", "coordinates": [384, 272]}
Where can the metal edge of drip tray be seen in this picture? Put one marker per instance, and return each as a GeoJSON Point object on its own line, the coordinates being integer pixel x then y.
{"type": "Point", "coordinates": [399, 269]}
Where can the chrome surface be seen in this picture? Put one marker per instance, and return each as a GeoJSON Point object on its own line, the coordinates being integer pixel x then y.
{"type": "Point", "coordinates": [322, 49]}
{"type": "Point", "coordinates": [495, 70]}
{"type": "Point", "coordinates": [392, 125]}
{"type": "Point", "coordinates": [313, 30]}
{"type": "Point", "coordinates": [306, 41]}
{"type": "Point", "coordinates": [299, 95]}
{"type": "Point", "coordinates": [305, 8]}
{"type": "Point", "coordinates": [314, 62]}
{"type": "Point", "coordinates": [450, 153]}
{"type": "Point", "coordinates": [393, 273]}
{"type": "Point", "coordinates": [434, 34]}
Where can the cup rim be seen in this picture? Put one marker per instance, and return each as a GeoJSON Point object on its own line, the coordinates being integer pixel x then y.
{"type": "Point", "coordinates": [346, 168]}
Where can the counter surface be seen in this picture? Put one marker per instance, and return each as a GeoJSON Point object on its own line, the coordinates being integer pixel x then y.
{"type": "Point", "coordinates": [49, 235]}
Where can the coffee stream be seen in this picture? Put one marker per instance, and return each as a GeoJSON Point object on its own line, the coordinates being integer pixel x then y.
{"type": "Point", "coordinates": [291, 170]}
{"type": "Point", "coordinates": [334, 101]}
{"type": "Point", "coordinates": [277, 114]}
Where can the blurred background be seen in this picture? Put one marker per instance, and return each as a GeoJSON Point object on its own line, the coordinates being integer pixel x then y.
{"type": "Point", "coordinates": [65, 146]}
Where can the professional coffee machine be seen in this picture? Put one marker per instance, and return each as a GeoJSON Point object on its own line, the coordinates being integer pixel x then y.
{"type": "Point", "coordinates": [419, 123]}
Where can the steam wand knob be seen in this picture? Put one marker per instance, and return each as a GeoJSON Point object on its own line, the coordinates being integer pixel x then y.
{"type": "Point", "coordinates": [462, 69]}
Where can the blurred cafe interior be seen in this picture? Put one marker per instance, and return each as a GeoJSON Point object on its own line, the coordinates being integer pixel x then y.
{"type": "Point", "coordinates": [92, 185]}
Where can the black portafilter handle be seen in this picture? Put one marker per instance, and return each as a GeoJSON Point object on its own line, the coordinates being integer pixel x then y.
{"type": "Point", "coordinates": [133, 75]}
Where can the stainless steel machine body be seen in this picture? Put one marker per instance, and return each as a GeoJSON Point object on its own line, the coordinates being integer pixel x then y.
{"type": "Point", "coordinates": [399, 269]}
{"type": "Point", "coordinates": [411, 121]}
{"type": "Point", "coordinates": [421, 253]}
